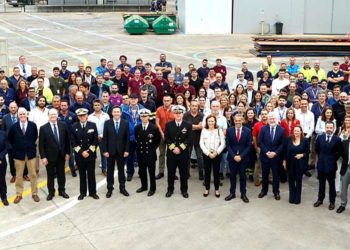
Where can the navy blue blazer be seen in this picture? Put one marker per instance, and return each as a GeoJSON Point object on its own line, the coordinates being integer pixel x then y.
{"type": "Point", "coordinates": [3, 148]}
{"type": "Point", "coordinates": [23, 145]}
{"type": "Point", "coordinates": [242, 147]}
{"type": "Point", "coordinates": [266, 144]}
{"type": "Point", "coordinates": [328, 153]}
{"type": "Point", "coordinates": [7, 122]}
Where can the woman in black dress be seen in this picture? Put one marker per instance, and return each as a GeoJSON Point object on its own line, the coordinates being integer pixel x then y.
{"type": "Point", "coordinates": [296, 157]}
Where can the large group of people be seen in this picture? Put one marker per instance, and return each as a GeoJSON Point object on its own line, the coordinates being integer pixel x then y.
{"type": "Point", "coordinates": [286, 119]}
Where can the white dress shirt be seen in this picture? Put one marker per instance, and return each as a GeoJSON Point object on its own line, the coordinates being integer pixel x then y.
{"type": "Point", "coordinates": [27, 68]}
{"type": "Point", "coordinates": [39, 117]}
{"type": "Point", "coordinates": [53, 129]}
{"type": "Point", "coordinates": [307, 122]}
{"type": "Point", "coordinates": [99, 121]}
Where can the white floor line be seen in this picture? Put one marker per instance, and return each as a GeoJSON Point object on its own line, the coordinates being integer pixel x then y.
{"type": "Point", "coordinates": [52, 40]}
{"type": "Point", "coordinates": [52, 214]}
{"type": "Point", "coordinates": [120, 40]}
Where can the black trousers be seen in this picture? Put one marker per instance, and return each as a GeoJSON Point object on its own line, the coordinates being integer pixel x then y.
{"type": "Point", "coordinates": [52, 168]}
{"type": "Point", "coordinates": [210, 164]}
{"type": "Point", "coordinates": [151, 167]}
{"type": "Point", "coordinates": [110, 171]}
{"type": "Point", "coordinates": [87, 169]}
{"type": "Point", "coordinates": [3, 187]}
{"type": "Point", "coordinates": [322, 178]}
{"type": "Point", "coordinates": [182, 164]}
{"type": "Point", "coordinates": [295, 177]}
{"type": "Point", "coordinates": [12, 165]}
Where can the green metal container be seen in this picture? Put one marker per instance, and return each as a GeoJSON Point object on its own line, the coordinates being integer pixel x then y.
{"type": "Point", "coordinates": [136, 25]}
{"type": "Point", "coordinates": [164, 25]}
{"type": "Point", "coordinates": [150, 16]}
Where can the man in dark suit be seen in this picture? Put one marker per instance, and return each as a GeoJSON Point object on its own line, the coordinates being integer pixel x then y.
{"type": "Point", "coordinates": [239, 142]}
{"type": "Point", "coordinates": [54, 148]}
{"type": "Point", "coordinates": [178, 138]}
{"type": "Point", "coordinates": [3, 166]}
{"type": "Point", "coordinates": [147, 138]}
{"type": "Point", "coordinates": [116, 149]}
{"type": "Point", "coordinates": [22, 137]}
{"type": "Point", "coordinates": [271, 143]}
{"type": "Point", "coordinates": [328, 150]}
{"type": "Point", "coordinates": [85, 141]}
{"type": "Point", "coordinates": [7, 121]}
{"type": "Point", "coordinates": [345, 176]}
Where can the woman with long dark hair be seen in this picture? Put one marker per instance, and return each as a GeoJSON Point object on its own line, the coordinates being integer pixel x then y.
{"type": "Point", "coordinates": [212, 143]}
{"type": "Point", "coordinates": [296, 162]}
{"type": "Point", "coordinates": [21, 92]}
{"type": "Point", "coordinates": [250, 121]}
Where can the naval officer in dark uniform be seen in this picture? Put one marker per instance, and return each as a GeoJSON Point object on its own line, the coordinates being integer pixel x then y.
{"type": "Point", "coordinates": [178, 138]}
{"type": "Point", "coordinates": [147, 141]}
{"type": "Point", "coordinates": [85, 142]}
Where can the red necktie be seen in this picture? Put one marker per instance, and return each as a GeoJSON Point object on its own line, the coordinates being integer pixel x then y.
{"type": "Point", "coordinates": [238, 134]}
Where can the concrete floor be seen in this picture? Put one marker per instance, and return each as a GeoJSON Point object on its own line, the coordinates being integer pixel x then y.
{"type": "Point", "coordinates": [140, 222]}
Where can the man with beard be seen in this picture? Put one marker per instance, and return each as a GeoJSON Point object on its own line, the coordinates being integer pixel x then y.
{"type": "Point", "coordinates": [339, 109]}
{"type": "Point", "coordinates": [164, 66]}
{"type": "Point", "coordinates": [64, 72]}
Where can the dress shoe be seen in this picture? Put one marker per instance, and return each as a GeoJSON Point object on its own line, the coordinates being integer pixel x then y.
{"type": "Point", "coordinates": [94, 196]}
{"type": "Point", "coordinates": [129, 178]}
{"type": "Point", "coordinates": [307, 173]}
{"type": "Point", "coordinates": [185, 194]}
{"type": "Point", "coordinates": [206, 193]}
{"type": "Point", "coordinates": [200, 176]}
{"type": "Point", "coordinates": [339, 210]}
{"type": "Point", "coordinates": [49, 197]}
{"type": "Point", "coordinates": [63, 195]}
{"type": "Point", "coordinates": [104, 172]}
{"type": "Point", "coordinates": [217, 194]}
{"type": "Point", "coordinates": [13, 179]}
{"type": "Point", "coordinates": [124, 192]}
{"type": "Point", "coordinates": [150, 193]}
{"type": "Point", "coordinates": [230, 197]}
{"type": "Point", "coordinates": [331, 206]}
{"type": "Point", "coordinates": [159, 176]}
{"type": "Point", "coordinates": [277, 197]}
{"type": "Point", "coordinates": [141, 189]}
{"type": "Point", "coordinates": [74, 174]}
{"type": "Point", "coordinates": [35, 197]}
{"type": "Point", "coordinates": [318, 203]}
{"type": "Point", "coordinates": [257, 183]}
{"type": "Point", "coordinates": [228, 175]}
{"type": "Point", "coordinates": [81, 197]}
{"type": "Point", "coordinates": [5, 202]}
{"type": "Point", "coordinates": [261, 195]}
{"type": "Point", "coordinates": [26, 178]}
{"type": "Point", "coordinates": [109, 194]}
{"type": "Point", "coordinates": [176, 178]}
{"type": "Point", "coordinates": [168, 194]}
{"type": "Point", "coordinates": [17, 199]}
{"type": "Point", "coordinates": [244, 198]}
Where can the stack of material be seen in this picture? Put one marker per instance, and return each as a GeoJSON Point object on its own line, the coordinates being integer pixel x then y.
{"type": "Point", "coordinates": [301, 46]}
